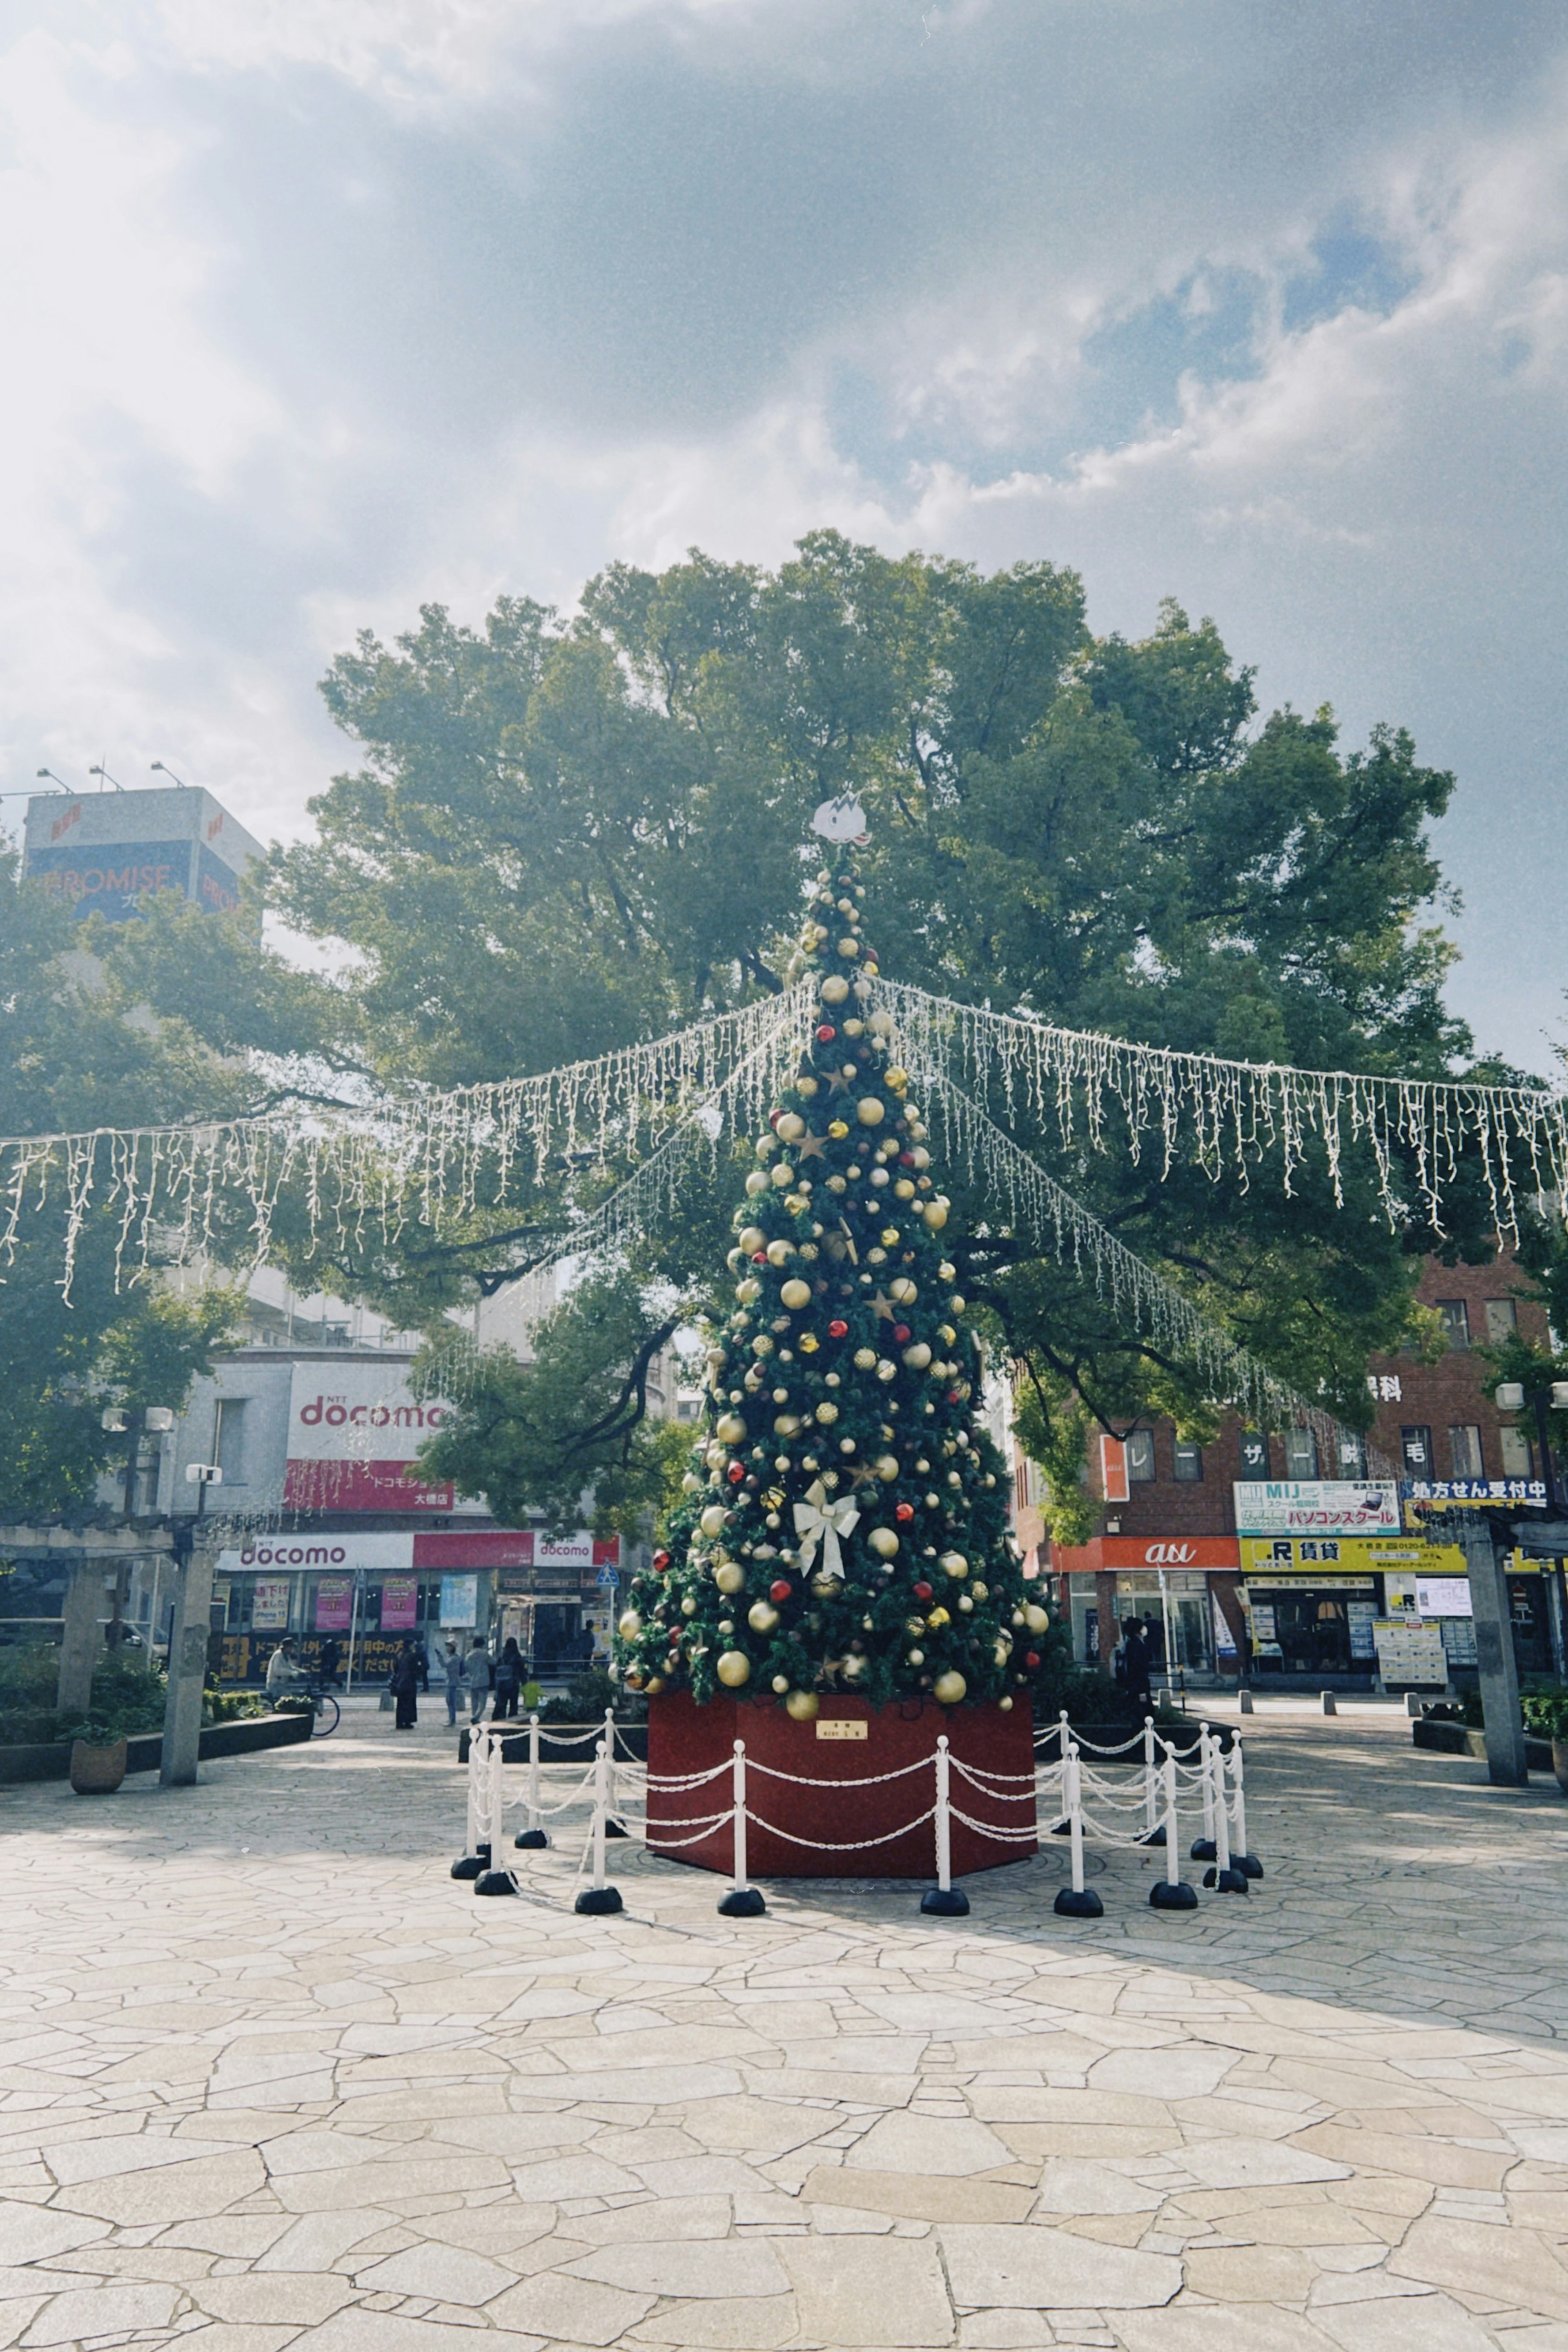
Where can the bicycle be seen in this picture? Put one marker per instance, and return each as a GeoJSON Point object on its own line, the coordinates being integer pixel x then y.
{"type": "Point", "coordinates": [321, 1705]}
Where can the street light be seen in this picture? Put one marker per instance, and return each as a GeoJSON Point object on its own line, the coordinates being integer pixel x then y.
{"type": "Point", "coordinates": [159, 769]}
{"type": "Point", "coordinates": [42, 773]}
{"type": "Point", "coordinates": [102, 771]}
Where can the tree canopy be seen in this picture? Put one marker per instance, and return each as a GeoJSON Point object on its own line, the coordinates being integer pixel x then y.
{"type": "Point", "coordinates": [569, 831]}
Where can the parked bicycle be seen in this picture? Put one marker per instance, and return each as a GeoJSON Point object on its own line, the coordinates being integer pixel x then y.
{"type": "Point", "coordinates": [315, 1699]}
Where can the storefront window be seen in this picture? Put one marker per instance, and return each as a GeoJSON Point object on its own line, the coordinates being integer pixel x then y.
{"type": "Point", "coordinates": [1301, 1632]}
{"type": "Point", "coordinates": [1189, 1462]}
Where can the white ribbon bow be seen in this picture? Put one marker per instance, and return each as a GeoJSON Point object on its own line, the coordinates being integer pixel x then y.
{"type": "Point", "coordinates": [816, 1520]}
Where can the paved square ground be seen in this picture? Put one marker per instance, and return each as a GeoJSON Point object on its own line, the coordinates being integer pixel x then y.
{"type": "Point", "coordinates": [270, 2076]}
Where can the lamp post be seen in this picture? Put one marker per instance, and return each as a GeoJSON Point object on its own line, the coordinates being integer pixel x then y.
{"type": "Point", "coordinates": [80, 1640]}
{"type": "Point", "coordinates": [189, 1645]}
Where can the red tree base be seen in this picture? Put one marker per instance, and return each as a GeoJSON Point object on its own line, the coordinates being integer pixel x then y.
{"type": "Point", "coordinates": [816, 1832]}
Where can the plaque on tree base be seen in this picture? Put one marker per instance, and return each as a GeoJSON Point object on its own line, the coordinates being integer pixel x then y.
{"type": "Point", "coordinates": [815, 1822]}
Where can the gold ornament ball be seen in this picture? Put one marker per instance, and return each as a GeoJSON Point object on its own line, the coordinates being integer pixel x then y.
{"type": "Point", "coordinates": [729, 1576]}
{"type": "Point", "coordinates": [757, 1181]}
{"type": "Point", "coordinates": [954, 1563]}
{"type": "Point", "coordinates": [870, 1111]}
{"type": "Point", "coordinates": [826, 1412]}
{"type": "Point", "coordinates": [956, 1303]}
{"type": "Point", "coordinates": [734, 1669]}
{"type": "Point", "coordinates": [629, 1625]}
{"type": "Point", "coordinates": [918, 1357]}
{"type": "Point", "coordinates": [712, 1520]}
{"type": "Point", "coordinates": [1036, 1619]}
{"type": "Point", "coordinates": [795, 1293]}
{"type": "Point", "coordinates": [935, 1214]}
{"type": "Point", "coordinates": [786, 1424]}
{"type": "Point", "coordinates": [946, 1270]}
{"type": "Point", "coordinates": [1005, 1704]}
{"type": "Point", "coordinates": [864, 1359]}
{"type": "Point", "coordinates": [730, 1429]}
{"type": "Point", "coordinates": [752, 1239]}
{"type": "Point", "coordinates": [915, 1657]}
{"type": "Point", "coordinates": [883, 1542]}
{"type": "Point", "coordinates": [653, 1684]}
{"type": "Point", "coordinates": [762, 1616]}
{"type": "Point", "coordinates": [749, 1291]}
{"type": "Point", "coordinates": [779, 1252]}
{"type": "Point", "coordinates": [950, 1687]}
{"type": "Point", "coordinates": [801, 1706]}
{"type": "Point", "coordinates": [691, 1484]}
{"type": "Point", "coordinates": [781, 1683]}
{"type": "Point", "coordinates": [905, 1291]}
{"type": "Point", "coordinates": [886, 1467]}
{"type": "Point", "coordinates": [835, 989]}
{"type": "Point", "coordinates": [790, 1128]}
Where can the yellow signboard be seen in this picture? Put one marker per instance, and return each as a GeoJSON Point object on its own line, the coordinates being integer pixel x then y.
{"type": "Point", "coordinates": [1332, 1556]}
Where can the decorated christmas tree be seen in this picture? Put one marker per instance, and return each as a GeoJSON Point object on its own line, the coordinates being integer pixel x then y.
{"type": "Point", "coordinates": [845, 1521]}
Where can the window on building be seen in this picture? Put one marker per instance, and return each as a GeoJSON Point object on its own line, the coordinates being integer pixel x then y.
{"type": "Point", "coordinates": [1300, 1454]}
{"type": "Point", "coordinates": [1415, 1452]}
{"type": "Point", "coordinates": [228, 1438]}
{"type": "Point", "coordinates": [1502, 1321]}
{"type": "Point", "coordinates": [1140, 1454]}
{"type": "Point", "coordinates": [1464, 1450]}
{"type": "Point", "coordinates": [1189, 1461]}
{"type": "Point", "coordinates": [1517, 1459]}
{"type": "Point", "coordinates": [1456, 1317]}
{"type": "Point", "coordinates": [1254, 1454]}
{"type": "Point", "coordinates": [1351, 1451]}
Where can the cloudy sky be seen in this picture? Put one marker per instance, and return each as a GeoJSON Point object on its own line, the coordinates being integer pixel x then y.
{"type": "Point", "coordinates": [320, 309]}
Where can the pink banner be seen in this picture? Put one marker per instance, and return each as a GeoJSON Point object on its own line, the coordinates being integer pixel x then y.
{"type": "Point", "coordinates": [360, 1486]}
{"type": "Point", "coordinates": [399, 1604]}
{"type": "Point", "coordinates": [334, 1604]}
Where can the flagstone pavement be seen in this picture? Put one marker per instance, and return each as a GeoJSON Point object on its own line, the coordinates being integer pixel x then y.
{"type": "Point", "coordinates": [268, 2076]}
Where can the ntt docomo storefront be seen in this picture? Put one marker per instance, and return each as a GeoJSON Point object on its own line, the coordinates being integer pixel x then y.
{"type": "Point", "coordinates": [1186, 1586]}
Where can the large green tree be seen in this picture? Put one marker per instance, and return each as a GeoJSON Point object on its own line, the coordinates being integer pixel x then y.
{"type": "Point", "coordinates": [567, 833]}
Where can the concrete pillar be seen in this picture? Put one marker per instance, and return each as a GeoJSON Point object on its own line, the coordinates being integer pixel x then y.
{"type": "Point", "coordinates": [1494, 1652]}
{"type": "Point", "coordinates": [83, 1639]}
{"type": "Point", "coordinates": [187, 1671]}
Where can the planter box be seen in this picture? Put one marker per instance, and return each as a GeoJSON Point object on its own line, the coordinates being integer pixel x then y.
{"type": "Point", "coordinates": [1458, 1739]}
{"type": "Point", "coordinates": [817, 1831]}
{"type": "Point", "coordinates": [144, 1749]}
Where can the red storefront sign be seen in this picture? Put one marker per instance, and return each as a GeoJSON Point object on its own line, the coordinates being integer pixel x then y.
{"type": "Point", "coordinates": [1105, 1555]}
{"type": "Point", "coordinates": [510, 1548]}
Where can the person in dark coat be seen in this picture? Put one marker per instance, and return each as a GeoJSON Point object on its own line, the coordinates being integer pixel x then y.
{"type": "Point", "coordinates": [330, 1661]}
{"type": "Point", "coordinates": [509, 1679]}
{"type": "Point", "coordinates": [404, 1684]}
{"type": "Point", "coordinates": [421, 1660]}
{"type": "Point", "coordinates": [1135, 1666]}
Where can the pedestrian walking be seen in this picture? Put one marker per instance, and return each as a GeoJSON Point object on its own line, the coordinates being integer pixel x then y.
{"type": "Point", "coordinates": [331, 1660]}
{"type": "Point", "coordinates": [452, 1665]}
{"type": "Point", "coordinates": [1135, 1666]}
{"type": "Point", "coordinates": [283, 1668]}
{"type": "Point", "coordinates": [421, 1660]}
{"type": "Point", "coordinates": [476, 1674]}
{"type": "Point", "coordinates": [404, 1684]}
{"type": "Point", "coordinates": [509, 1679]}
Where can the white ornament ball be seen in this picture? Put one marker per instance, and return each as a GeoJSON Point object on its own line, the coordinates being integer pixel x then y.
{"type": "Point", "coordinates": [749, 1291]}
{"type": "Point", "coordinates": [729, 1576]}
{"type": "Point", "coordinates": [870, 1111]}
{"type": "Point", "coordinates": [781, 1683]}
{"type": "Point", "coordinates": [752, 1239]}
{"type": "Point", "coordinates": [762, 1616]}
{"type": "Point", "coordinates": [757, 1181]}
{"type": "Point", "coordinates": [713, 1518]}
{"type": "Point", "coordinates": [790, 1128]}
{"type": "Point", "coordinates": [1036, 1619]}
{"type": "Point", "coordinates": [835, 989]}
{"type": "Point", "coordinates": [917, 1357]}
{"type": "Point", "coordinates": [953, 1564]}
{"type": "Point", "coordinates": [629, 1625]}
{"type": "Point", "coordinates": [779, 1252]}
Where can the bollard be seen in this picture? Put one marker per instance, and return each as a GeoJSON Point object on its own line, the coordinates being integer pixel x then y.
{"type": "Point", "coordinates": [944, 1900]}
{"type": "Point", "coordinates": [533, 1835]}
{"type": "Point", "coordinates": [1224, 1876]}
{"type": "Point", "coordinates": [1243, 1701]}
{"type": "Point", "coordinates": [1153, 1828]}
{"type": "Point", "coordinates": [1076, 1901]}
{"type": "Point", "coordinates": [477, 1857]}
{"type": "Point", "coordinates": [1245, 1861]}
{"type": "Point", "coordinates": [1172, 1893]}
{"type": "Point", "coordinates": [744, 1901]}
{"type": "Point", "coordinates": [1203, 1848]}
{"type": "Point", "coordinates": [1326, 1699]}
{"type": "Point", "coordinates": [600, 1896]}
{"type": "Point", "coordinates": [1413, 1705]}
{"type": "Point", "coordinates": [496, 1880]}
{"type": "Point", "coordinates": [614, 1826]}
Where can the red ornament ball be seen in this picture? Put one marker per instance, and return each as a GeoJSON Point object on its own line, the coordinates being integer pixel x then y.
{"type": "Point", "coordinates": [900, 1332]}
{"type": "Point", "coordinates": [661, 1559]}
{"type": "Point", "coordinates": [1031, 1659]}
{"type": "Point", "coordinates": [759, 1257]}
{"type": "Point", "coordinates": [905, 1511]}
{"type": "Point", "coordinates": [774, 1117]}
{"type": "Point", "coordinates": [837, 1329]}
{"type": "Point", "coordinates": [737, 1472]}
{"type": "Point", "coordinates": [922, 1590]}
{"type": "Point", "coordinates": [781, 1588]}
{"type": "Point", "coordinates": [826, 1034]}
{"type": "Point", "coordinates": [953, 1396]}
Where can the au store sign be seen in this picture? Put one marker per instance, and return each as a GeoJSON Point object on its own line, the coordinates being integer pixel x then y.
{"type": "Point", "coordinates": [1317, 1506]}
{"type": "Point", "coordinates": [354, 1430]}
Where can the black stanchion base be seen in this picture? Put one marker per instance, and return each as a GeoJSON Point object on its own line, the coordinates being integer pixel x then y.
{"type": "Point", "coordinates": [742, 1903]}
{"type": "Point", "coordinates": [1203, 1850]}
{"type": "Point", "coordinates": [468, 1866]}
{"type": "Point", "coordinates": [1153, 1837]}
{"type": "Point", "coordinates": [1071, 1904]}
{"type": "Point", "coordinates": [533, 1840]}
{"type": "Point", "coordinates": [494, 1881]}
{"type": "Point", "coordinates": [595, 1899]}
{"type": "Point", "coordinates": [1062, 1829]}
{"type": "Point", "coordinates": [1226, 1882]}
{"type": "Point", "coordinates": [1164, 1896]}
{"type": "Point", "coordinates": [1248, 1864]}
{"type": "Point", "coordinates": [613, 1829]}
{"type": "Point", "coordinates": [945, 1903]}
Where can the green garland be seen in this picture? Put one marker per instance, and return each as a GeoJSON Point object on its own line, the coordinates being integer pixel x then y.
{"type": "Point", "coordinates": [844, 1525]}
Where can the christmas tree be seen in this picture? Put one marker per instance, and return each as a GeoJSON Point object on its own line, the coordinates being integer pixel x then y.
{"type": "Point", "coordinates": [845, 1520]}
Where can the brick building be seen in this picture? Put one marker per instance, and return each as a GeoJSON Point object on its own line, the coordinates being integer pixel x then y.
{"type": "Point", "coordinates": [1168, 1546]}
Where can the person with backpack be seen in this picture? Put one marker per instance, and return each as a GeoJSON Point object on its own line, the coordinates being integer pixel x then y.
{"type": "Point", "coordinates": [477, 1676]}
{"type": "Point", "coordinates": [509, 1679]}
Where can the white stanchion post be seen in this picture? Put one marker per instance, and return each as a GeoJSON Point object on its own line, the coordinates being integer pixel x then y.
{"type": "Point", "coordinates": [744, 1901]}
{"type": "Point", "coordinates": [613, 1824]}
{"type": "Point", "coordinates": [496, 1879]}
{"type": "Point", "coordinates": [945, 1901]}
{"type": "Point", "coordinates": [1076, 1901]}
{"type": "Point", "coordinates": [533, 1835]}
{"type": "Point", "coordinates": [1203, 1848]}
{"type": "Point", "coordinates": [1222, 1876]}
{"type": "Point", "coordinates": [1060, 1826]}
{"type": "Point", "coordinates": [1242, 1855]}
{"type": "Point", "coordinates": [476, 1854]}
{"type": "Point", "coordinates": [1151, 1785]}
{"type": "Point", "coordinates": [600, 1896]}
{"type": "Point", "coordinates": [1171, 1893]}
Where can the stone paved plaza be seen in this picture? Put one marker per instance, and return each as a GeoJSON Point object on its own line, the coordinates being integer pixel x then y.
{"type": "Point", "coordinates": [271, 2077]}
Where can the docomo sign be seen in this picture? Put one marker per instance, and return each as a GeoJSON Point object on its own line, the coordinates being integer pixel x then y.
{"type": "Point", "coordinates": [335, 1412]}
{"type": "Point", "coordinates": [352, 1431]}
